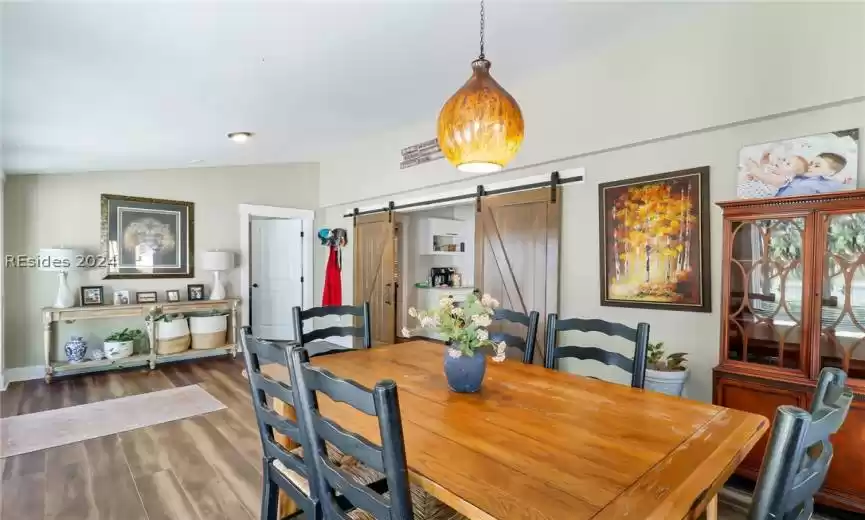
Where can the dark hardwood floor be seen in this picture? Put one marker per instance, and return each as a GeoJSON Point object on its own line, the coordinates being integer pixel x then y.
{"type": "Point", "coordinates": [206, 467]}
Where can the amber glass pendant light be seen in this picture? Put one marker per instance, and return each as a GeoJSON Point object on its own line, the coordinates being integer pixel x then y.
{"type": "Point", "coordinates": [480, 128]}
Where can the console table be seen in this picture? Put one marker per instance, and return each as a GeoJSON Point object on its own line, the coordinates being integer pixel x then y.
{"type": "Point", "coordinates": [52, 315]}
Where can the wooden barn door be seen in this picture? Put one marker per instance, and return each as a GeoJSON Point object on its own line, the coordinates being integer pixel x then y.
{"type": "Point", "coordinates": [373, 272]}
{"type": "Point", "coordinates": [517, 252]}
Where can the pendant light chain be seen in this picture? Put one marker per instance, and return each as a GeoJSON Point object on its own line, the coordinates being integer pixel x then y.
{"type": "Point", "coordinates": [483, 23]}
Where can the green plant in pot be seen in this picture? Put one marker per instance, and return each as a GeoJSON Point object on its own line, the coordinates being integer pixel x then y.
{"type": "Point", "coordinates": [121, 344]}
{"type": "Point", "coordinates": [464, 327]}
{"type": "Point", "coordinates": [665, 373]}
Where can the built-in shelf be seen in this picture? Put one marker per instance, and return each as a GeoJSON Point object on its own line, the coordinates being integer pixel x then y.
{"type": "Point", "coordinates": [443, 253]}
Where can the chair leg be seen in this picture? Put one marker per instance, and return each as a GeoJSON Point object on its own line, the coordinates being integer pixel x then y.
{"type": "Point", "coordinates": [269, 499]}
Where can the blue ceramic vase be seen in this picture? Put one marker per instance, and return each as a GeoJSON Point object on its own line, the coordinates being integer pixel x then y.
{"type": "Point", "coordinates": [465, 373]}
{"type": "Point", "coordinates": [75, 349]}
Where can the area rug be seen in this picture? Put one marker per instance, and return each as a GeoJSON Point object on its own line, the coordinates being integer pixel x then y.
{"type": "Point", "coordinates": [41, 430]}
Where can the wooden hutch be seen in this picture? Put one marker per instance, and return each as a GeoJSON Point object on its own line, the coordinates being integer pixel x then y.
{"type": "Point", "coordinates": [793, 302]}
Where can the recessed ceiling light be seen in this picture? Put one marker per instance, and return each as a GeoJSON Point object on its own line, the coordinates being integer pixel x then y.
{"type": "Point", "coordinates": [240, 137]}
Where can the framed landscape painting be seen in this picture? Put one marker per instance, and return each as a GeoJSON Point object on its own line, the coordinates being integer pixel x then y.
{"type": "Point", "coordinates": [654, 241]}
{"type": "Point", "coordinates": [147, 238]}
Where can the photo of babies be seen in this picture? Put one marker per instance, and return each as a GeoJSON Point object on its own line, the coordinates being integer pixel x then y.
{"type": "Point", "coordinates": [821, 163]}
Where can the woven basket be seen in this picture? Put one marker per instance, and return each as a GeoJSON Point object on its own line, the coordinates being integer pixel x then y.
{"type": "Point", "coordinates": [208, 341]}
{"type": "Point", "coordinates": [172, 345]}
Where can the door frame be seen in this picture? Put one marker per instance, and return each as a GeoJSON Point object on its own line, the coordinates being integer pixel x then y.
{"type": "Point", "coordinates": [247, 213]}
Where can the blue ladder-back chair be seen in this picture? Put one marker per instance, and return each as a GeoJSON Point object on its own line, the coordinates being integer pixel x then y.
{"type": "Point", "coordinates": [401, 501]}
{"type": "Point", "coordinates": [799, 452]}
{"type": "Point", "coordinates": [364, 331]}
{"type": "Point", "coordinates": [284, 469]}
{"type": "Point", "coordinates": [526, 344]}
{"type": "Point", "coordinates": [639, 336]}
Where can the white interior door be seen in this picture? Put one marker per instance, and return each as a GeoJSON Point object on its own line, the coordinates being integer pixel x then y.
{"type": "Point", "coordinates": [276, 276]}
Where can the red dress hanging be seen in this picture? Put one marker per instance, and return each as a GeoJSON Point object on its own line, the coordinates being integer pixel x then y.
{"type": "Point", "coordinates": [332, 280]}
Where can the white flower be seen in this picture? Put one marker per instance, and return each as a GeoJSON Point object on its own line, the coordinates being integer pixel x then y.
{"type": "Point", "coordinates": [427, 321]}
{"type": "Point", "coordinates": [489, 301]}
{"type": "Point", "coordinates": [405, 332]}
{"type": "Point", "coordinates": [499, 352]}
{"type": "Point", "coordinates": [447, 301]}
{"type": "Point", "coordinates": [482, 335]}
{"type": "Point", "coordinates": [454, 353]}
{"type": "Point", "coordinates": [481, 320]}
{"type": "Point", "coordinates": [457, 311]}
{"type": "Point", "coordinates": [412, 312]}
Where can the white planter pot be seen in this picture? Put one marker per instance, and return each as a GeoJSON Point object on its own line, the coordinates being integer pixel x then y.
{"type": "Point", "coordinates": [666, 382]}
{"type": "Point", "coordinates": [118, 349]}
{"type": "Point", "coordinates": [208, 331]}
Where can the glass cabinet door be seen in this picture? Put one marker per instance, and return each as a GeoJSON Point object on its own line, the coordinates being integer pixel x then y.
{"type": "Point", "coordinates": [765, 300]}
{"type": "Point", "coordinates": [842, 309]}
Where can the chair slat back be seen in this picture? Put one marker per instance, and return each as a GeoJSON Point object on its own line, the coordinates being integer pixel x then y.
{"type": "Point", "coordinates": [264, 390]}
{"type": "Point", "coordinates": [799, 453]}
{"type": "Point", "coordinates": [635, 366]}
{"type": "Point", "coordinates": [389, 458]}
{"type": "Point", "coordinates": [526, 344]}
{"type": "Point", "coordinates": [355, 311]}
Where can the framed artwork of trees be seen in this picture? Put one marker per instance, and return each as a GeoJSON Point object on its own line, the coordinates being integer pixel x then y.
{"type": "Point", "coordinates": [654, 237]}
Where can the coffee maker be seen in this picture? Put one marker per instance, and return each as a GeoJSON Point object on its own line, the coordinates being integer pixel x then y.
{"type": "Point", "coordinates": [442, 276]}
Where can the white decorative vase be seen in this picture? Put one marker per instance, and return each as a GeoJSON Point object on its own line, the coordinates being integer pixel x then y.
{"type": "Point", "coordinates": [670, 382]}
{"type": "Point", "coordinates": [118, 349]}
{"type": "Point", "coordinates": [208, 331]}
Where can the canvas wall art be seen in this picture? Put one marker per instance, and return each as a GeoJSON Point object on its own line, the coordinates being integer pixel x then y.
{"type": "Point", "coordinates": [147, 238]}
{"type": "Point", "coordinates": [821, 163]}
{"type": "Point", "coordinates": [654, 241]}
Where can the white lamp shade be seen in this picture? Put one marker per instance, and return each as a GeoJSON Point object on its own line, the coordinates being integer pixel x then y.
{"type": "Point", "coordinates": [59, 259]}
{"type": "Point", "coordinates": [217, 260]}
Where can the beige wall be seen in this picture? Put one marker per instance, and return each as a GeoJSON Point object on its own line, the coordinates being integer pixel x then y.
{"type": "Point", "coordinates": [695, 333]}
{"type": "Point", "coordinates": [54, 210]}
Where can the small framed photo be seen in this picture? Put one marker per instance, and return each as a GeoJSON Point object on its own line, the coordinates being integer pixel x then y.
{"type": "Point", "coordinates": [195, 292]}
{"type": "Point", "coordinates": [145, 297]}
{"type": "Point", "coordinates": [121, 298]}
{"type": "Point", "coordinates": [172, 295]}
{"type": "Point", "coordinates": [91, 295]}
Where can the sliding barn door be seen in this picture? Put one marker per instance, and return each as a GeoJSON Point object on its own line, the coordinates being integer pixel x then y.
{"type": "Point", "coordinates": [374, 272]}
{"type": "Point", "coordinates": [517, 252]}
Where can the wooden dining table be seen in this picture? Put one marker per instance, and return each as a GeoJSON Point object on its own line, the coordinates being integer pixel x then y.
{"type": "Point", "coordinates": [536, 443]}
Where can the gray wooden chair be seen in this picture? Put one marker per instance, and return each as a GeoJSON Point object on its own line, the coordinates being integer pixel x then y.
{"type": "Point", "coordinates": [799, 452]}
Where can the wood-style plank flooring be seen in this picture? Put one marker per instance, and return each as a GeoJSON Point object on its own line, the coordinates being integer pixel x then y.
{"type": "Point", "coordinates": [206, 467]}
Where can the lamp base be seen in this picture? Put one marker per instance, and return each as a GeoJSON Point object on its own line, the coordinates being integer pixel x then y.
{"type": "Point", "coordinates": [218, 292]}
{"type": "Point", "coordinates": [65, 297]}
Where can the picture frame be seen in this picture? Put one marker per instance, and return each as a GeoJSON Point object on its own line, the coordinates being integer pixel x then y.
{"type": "Point", "coordinates": [145, 297]}
{"type": "Point", "coordinates": [195, 292]}
{"type": "Point", "coordinates": [806, 165]}
{"type": "Point", "coordinates": [92, 295]}
{"type": "Point", "coordinates": [121, 297]}
{"type": "Point", "coordinates": [172, 295]}
{"type": "Point", "coordinates": [147, 238]}
{"type": "Point", "coordinates": [654, 241]}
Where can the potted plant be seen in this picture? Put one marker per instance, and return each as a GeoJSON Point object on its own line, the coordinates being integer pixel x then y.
{"type": "Point", "coordinates": [464, 329]}
{"type": "Point", "coordinates": [665, 374]}
{"type": "Point", "coordinates": [120, 344]}
{"type": "Point", "coordinates": [208, 330]}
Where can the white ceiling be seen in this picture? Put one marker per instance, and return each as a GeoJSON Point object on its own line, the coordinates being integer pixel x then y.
{"type": "Point", "coordinates": [140, 85]}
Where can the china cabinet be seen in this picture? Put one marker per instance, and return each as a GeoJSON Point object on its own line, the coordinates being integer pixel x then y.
{"type": "Point", "coordinates": [793, 302]}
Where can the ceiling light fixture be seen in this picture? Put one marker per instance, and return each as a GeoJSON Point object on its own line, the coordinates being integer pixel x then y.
{"type": "Point", "coordinates": [480, 128]}
{"type": "Point", "coordinates": [240, 137]}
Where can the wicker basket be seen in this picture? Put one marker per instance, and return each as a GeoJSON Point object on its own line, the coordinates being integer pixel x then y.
{"type": "Point", "coordinates": [208, 341]}
{"type": "Point", "coordinates": [172, 345]}
{"type": "Point", "coordinates": [208, 331]}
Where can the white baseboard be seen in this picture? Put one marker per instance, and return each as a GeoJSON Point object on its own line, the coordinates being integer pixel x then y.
{"type": "Point", "coordinates": [22, 374]}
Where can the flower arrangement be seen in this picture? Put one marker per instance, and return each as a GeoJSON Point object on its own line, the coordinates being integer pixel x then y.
{"type": "Point", "coordinates": [462, 326]}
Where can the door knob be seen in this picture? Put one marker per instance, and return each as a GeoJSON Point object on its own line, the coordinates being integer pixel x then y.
{"type": "Point", "coordinates": [255, 285]}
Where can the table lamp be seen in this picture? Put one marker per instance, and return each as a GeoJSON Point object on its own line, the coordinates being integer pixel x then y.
{"type": "Point", "coordinates": [61, 261]}
{"type": "Point", "coordinates": [217, 261]}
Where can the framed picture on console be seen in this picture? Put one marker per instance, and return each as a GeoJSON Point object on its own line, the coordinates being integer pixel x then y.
{"type": "Point", "coordinates": [147, 238]}
{"type": "Point", "coordinates": [654, 241]}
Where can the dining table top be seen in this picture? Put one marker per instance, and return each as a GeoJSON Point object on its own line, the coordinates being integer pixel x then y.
{"type": "Point", "coordinates": [536, 443]}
